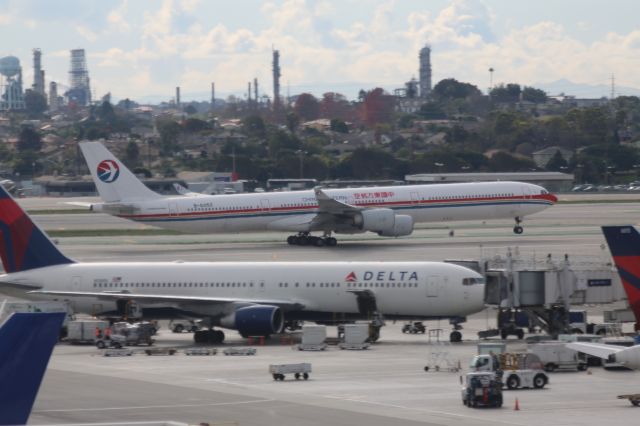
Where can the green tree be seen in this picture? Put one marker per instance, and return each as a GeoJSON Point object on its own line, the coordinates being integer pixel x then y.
{"type": "Point", "coordinates": [253, 126]}
{"type": "Point", "coordinates": [29, 139]}
{"type": "Point", "coordinates": [451, 88]}
{"type": "Point", "coordinates": [557, 163]}
{"type": "Point", "coordinates": [534, 95]}
{"type": "Point", "coordinates": [35, 103]}
{"type": "Point", "coordinates": [506, 94]}
{"type": "Point", "coordinates": [106, 113]}
{"type": "Point", "coordinates": [169, 133]}
{"type": "Point", "coordinates": [132, 154]}
{"type": "Point", "coordinates": [339, 126]}
{"type": "Point", "coordinates": [377, 107]}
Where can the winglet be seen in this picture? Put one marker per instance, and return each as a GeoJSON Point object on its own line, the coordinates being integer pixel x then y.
{"type": "Point", "coordinates": [26, 343]}
{"type": "Point", "coordinates": [115, 182]}
{"type": "Point", "coordinates": [624, 244]}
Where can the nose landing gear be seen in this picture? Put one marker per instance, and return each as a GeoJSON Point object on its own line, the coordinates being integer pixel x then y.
{"type": "Point", "coordinates": [518, 228]}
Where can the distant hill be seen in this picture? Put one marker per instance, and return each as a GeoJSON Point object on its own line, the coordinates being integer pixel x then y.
{"type": "Point", "coordinates": [585, 90]}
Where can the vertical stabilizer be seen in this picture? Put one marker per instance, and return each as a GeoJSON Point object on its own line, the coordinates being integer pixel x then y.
{"type": "Point", "coordinates": [26, 343]}
{"type": "Point", "coordinates": [115, 182]}
{"type": "Point", "coordinates": [624, 244]}
{"type": "Point", "coordinates": [23, 245]}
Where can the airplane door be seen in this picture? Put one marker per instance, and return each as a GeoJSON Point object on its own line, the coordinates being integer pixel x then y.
{"type": "Point", "coordinates": [526, 191]}
{"type": "Point", "coordinates": [415, 198]}
{"type": "Point", "coordinates": [173, 209]}
{"type": "Point", "coordinates": [264, 205]}
{"type": "Point", "coordinates": [76, 282]}
{"type": "Point", "coordinates": [433, 286]}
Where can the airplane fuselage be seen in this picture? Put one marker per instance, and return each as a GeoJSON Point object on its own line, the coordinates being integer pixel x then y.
{"type": "Point", "coordinates": [289, 211]}
{"type": "Point", "coordinates": [401, 289]}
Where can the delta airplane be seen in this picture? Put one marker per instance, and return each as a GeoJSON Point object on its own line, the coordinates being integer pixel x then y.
{"type": "Point", "coordinates": [388, 211]}
{"type": "Point", "coordinates": [624, 244]}
{"type": "Point", "coordinates": [256, 299]}
{"type": "Point", "coordinates": [26, 343]}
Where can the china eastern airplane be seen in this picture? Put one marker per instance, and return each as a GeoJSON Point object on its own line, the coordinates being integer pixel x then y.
{"type": "Point", "coordinates": [254, 298]}
{"type": "Point", "coordinates": [388, 211]}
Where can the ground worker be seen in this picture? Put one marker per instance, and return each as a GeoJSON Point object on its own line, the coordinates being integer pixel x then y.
{"type": "Point", "coordinates": [98, 333]}
{"type": "Point", "coordinates": [107, 333]}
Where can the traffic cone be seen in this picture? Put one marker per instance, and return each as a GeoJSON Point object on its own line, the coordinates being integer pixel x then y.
{"type": "Point", "coordinates": [517, 406]}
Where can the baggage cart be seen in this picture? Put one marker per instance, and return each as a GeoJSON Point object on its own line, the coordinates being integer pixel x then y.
{"type": "Point", "coordinates": [278, 371]}
{"type": "Point", "coordinates": [239, 351]}
{"type": "Point", "coordinates": [200, 351]}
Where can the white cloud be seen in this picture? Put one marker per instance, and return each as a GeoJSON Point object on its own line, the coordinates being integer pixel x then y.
{"type": "Point", "coordinates": [5, 19]}
{"type": "Point", "coordinates": [86, 33]}
{"type": "Point", "coordinates": [117, 18]}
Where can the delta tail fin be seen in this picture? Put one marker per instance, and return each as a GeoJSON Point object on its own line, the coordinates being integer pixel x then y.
{"type": "Point", "coordinates": [23, 245]}
{"type": "Point", "coordinates": [26, 343]}
{"type": "Point", "coordinates": [115, 182]}
{"type": "Point", "coordinates": [624, 244]}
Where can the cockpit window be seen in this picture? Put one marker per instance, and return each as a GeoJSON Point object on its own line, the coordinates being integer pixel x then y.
{"type": "Point", "coordinates": [472, 281]}
{"type": "Point", "coordinates": [544, 191]}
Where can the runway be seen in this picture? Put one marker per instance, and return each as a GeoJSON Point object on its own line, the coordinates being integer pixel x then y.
{"type": "Point", "coordinates": [385, 385]}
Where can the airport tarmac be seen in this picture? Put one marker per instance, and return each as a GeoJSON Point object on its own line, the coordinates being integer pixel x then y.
{"type": "Point", "coordinates": [385, 385]}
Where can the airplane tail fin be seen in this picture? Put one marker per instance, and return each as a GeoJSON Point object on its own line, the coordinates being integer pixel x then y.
{"type": "Point", "coordinates": [115, 182]}
{"type": "Point", "coordinates": [624, 244]}
{"type": "Point", "coordinates": [23, 245]}
{"type": "Point", "coordinates": [26, 343]}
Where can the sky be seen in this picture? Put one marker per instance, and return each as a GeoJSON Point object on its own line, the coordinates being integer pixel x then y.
{"type": "Point", "coordinates": [143, 49]}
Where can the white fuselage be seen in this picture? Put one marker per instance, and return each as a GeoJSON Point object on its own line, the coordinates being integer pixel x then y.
{"type": "Point", "coordinates": [290, 211]}
{"type": "Point", "coordinates": [404, 289]}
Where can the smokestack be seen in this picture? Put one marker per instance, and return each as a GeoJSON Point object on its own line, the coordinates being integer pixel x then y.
{"type": "Point", "coordinates": [213, 95]}
{"type": "Point", "coordinates": [255, 90]}
{"type": "Point", "coordinates": [249, 92]}
{"type": "Point", "coordinates": [178, 96]}
{"type": "Point", "coordinates": [276, 80]}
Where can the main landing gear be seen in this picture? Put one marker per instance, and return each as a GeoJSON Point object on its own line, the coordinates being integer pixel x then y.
{"type": "Point", "coordinates": [304, 239]}
{"type": "Point", "coordinates": [208, 336]}
{"type": "Point", "coordinates": [456, 335]}
{"type": "Point", "coordinates": [518, 228]}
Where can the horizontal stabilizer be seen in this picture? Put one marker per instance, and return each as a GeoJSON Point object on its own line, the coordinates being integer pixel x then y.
{"type": "Point", "coordinates": [599, 350]}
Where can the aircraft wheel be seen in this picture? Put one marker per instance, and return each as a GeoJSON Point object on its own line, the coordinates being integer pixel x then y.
{"type": "Point", "coordinates": [518, 229]}
{"type": "Point", "coordinates": [291, 240]}
{"type": "Point", "coordinates": [303, 240]}
{"type": "Point", "coordinates": [455, 337]}
{"type": "Point", "coordinates": [331, 242]}
{"type": "Point", "coordinates": [218, 336]}
{"type": "Point", "coordinates": [319, 242]}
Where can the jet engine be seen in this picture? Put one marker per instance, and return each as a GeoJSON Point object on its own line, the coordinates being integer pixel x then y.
{"type": "Point", "coordinates": [385, 222]}
{"type": "Point", "coordinates": [255, 320]}
{"type": "Point", "coordinates": [403, 225]}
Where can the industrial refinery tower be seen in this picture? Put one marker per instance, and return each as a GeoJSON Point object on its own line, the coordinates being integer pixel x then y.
{"type": "Point", "coordinates": [38, 72]}
{"type": "Point", "coordinates": [276, 80]}
{"type": "Point", "coordinates": [425, 71]}
{"type": "Point", "coordinates": [79, 93]}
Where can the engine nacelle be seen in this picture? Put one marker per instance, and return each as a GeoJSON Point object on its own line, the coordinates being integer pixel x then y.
{"type": "Point", "coordinates": [255, 320]}
{"type": "Point", "coordinates": [384, 221]}
{"type": "Point", "coordinates": [403, 226]}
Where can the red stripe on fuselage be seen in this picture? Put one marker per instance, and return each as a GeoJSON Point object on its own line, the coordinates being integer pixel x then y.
{"type": "Point", "coordinates": [309, 208]}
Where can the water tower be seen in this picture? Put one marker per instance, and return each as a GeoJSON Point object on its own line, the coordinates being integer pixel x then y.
{"type": "Point", "coordinates": [11, 97]}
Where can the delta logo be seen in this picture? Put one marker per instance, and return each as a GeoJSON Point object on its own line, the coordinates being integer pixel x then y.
{"type": "Point", "coordinates": [351, 278]}
{"type": "Point", "coordinates": [384, 276]}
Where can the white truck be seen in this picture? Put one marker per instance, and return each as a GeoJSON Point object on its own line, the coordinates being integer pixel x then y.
{"type": "Point", "coordinates": [515, 370]}
{"type": "Point", "coordinates": [556, 356]}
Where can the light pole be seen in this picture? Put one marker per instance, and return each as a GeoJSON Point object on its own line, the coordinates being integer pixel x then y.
{"type": "Point", "coordinates": [491, 70]}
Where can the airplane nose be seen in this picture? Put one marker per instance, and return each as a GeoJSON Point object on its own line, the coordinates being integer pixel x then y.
{"type": "Point", "coordinates": [552, 198]}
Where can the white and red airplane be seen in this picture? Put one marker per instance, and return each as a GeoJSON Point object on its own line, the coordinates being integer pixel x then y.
{"type": "Point", "coordinates": [388, 211]}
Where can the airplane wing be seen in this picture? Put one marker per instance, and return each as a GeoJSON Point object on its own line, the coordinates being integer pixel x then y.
{"type": "Point", "coordinates": [595, 349]}
{"type": "Point", "coordinates": [184, 191]}
{"type": "Point", "coordinates": [332, 206]}
{"type": "Point", "coordinates": [163, 298]}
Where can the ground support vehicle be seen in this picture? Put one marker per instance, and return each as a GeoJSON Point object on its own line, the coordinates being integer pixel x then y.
{"type": "Point", "coordinates": [634, 398]}
{"type": "Point", "coordinates": [118, 352]}
{"type": "Point", "coordinates": [178, 326]}
{"type": "Point", "coordinates": [514, 370]}
{"type": "Point", "coordinates": [312, 347]}
{"type": "Point", "coordinates": [354, 346]}
{"type": "Point", "coordinates": [160, 351]}
{"type": "Point", "coordinates": [414, 327]}
{"type": "Point", "coordinates": [482, 389]}
{"type": "Point", "coordinates": [278, 371]}
{"type": "Point", "coordinates": [200, 351]}
{"type": "Point", "coordinates": [86, 331]}
{"type": "Point", "coordinates": [133, 334]}
{"type": "Point", "coordinates": [239, 351]}
{"type": "Point", "coordinates": [555, 355]}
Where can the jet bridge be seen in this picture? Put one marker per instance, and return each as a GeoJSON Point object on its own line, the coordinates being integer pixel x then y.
{"type": "Point", "coordinates": [545, 289]}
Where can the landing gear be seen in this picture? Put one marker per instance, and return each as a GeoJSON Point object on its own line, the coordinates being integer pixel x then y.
{"type": "Point", "coordinates": [208, 336]}
{"type": "Point", "coordinates": [456, 335]}
{"type": "Point", "coordinates": [518, 228]}
{"type": "Point", "coordinates": [304, 239]}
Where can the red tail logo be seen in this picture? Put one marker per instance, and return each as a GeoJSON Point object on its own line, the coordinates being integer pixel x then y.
{"type": "Point", "coordinates": [351, 277]}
